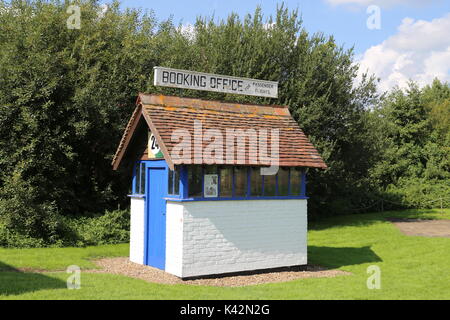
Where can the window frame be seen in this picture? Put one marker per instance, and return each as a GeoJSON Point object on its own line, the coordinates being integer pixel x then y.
{"type": "Point", "coordinates": [184, 186]}
{"type": "Point", "coordinates": [137, 176]}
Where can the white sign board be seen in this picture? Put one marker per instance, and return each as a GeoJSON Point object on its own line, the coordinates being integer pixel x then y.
{"type": "Point", "coordinates": [184, 79]}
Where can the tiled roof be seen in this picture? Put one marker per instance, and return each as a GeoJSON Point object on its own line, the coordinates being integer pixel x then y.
{"type": "Point", "coordinates": [164, 114]}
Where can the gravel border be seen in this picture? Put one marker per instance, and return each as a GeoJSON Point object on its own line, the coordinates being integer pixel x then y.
{"type": "Point", "coordinates": [423, 228]}
{"type": "Point", "coordinates": [123, 266]}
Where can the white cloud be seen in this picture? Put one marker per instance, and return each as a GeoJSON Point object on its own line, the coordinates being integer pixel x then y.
{"type": "Point", "coordinates": [382, 3]}
{"type": "Point", "coordinates": [188, 30]}
{"type": "Point", "coordinates": [419, 51]}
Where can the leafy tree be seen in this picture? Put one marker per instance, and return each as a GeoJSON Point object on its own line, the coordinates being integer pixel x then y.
{"type": "Point", "coordinates": [66, 95]}
{"type": "Point", "coordinates": [64, 98]}
{"type": "Point", "coordinates": [412, 127]}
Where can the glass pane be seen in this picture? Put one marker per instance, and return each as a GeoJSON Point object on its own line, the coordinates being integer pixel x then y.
{"type": "Point", "coordinates": [240, 182]}
{"type": "Point", "coordinates": [195, 181]}
{"type": "Point", "coordinates": [283, 182]}
{"type": "Point", "coordinates": [211, 170]}
{"type": "Point", "coordinates": [142, 190]}
{"type": "Point", "coordinates": [255, 182]}
{"type": "Point", "coordinates": [270, 187]}
{"type": "Point", "coordinates": [295, 181]}
{"type": "Point", "coordinates": [226, 181]}
{"type": "Point", "coordinates": [176, 187]}
{"type": "Point", "coordinates": [137, 176]}
{"type": "Point", "coordinates": [170, 183]}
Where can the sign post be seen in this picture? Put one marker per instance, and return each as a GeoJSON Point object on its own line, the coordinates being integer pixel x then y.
{"type": "Point", "coordinates": [184, 79]}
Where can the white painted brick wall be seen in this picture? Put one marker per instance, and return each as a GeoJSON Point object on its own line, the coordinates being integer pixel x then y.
{"type": "Point", "coordinates": [137, 210]}
{"type": "Point", "coordinates": [174, 238]}
{"type": "Point", "coordinates": [231, 236]}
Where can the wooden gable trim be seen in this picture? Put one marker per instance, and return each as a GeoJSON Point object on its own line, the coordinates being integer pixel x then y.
{"type": "Point", "coordinates": [160, 141]}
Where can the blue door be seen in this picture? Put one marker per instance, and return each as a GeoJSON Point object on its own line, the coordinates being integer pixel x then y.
{"type": "Point", "coordinates": [156, 218]}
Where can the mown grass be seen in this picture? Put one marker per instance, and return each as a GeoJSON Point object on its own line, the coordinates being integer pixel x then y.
{"type": "Point", "coordinates": [411, 267]}
{"type": "Point", "coordinates": [58, 258]}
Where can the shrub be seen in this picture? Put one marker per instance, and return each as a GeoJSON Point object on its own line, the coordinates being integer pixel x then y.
{"type": "Point", "coordinates": [12, 239]}
{"type": "Point", "coordinates": [421, 193]}
{"type": "Point", "coordinates": [26, 222]}
{"type": "Point", "coordinates": [110, 228]}
{"type": "Point", "coordinates": [22, 212]}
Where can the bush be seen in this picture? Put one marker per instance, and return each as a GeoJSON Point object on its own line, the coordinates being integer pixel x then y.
{"type": "Point", "coordinates": [12, 239]}
{"type": "Point", "coordinates": [22, 213]}
{"type": "Point", "coordinates": [421, 193]}
{"type": "Point", "coordinates": [111, 228]}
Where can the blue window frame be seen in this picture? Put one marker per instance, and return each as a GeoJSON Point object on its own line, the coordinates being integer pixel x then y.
{"type": "Point", "coordinates": [238, 183]}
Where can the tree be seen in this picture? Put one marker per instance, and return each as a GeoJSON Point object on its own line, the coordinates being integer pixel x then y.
{"type": "Point", "coordinates": [66, 95]}
{"type": "Point", "coordinates": [412, 127]}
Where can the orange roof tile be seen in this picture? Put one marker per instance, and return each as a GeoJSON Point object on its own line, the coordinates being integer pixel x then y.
{"type": "Point", "coordinates": [164, 114]}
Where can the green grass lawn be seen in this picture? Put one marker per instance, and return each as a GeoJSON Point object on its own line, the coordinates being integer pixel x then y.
{"type": "Point", "coordinates": [58, 258]}
{"type": "Point", "coordinates": [411, 267]}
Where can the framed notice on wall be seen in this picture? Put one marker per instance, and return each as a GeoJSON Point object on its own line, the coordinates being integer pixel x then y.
{"type": "Point", "coordinates": [210, 186]}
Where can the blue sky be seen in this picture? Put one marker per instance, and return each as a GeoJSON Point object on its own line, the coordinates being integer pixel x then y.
{"type": "Point", "coordinates": [346, 22]}
{"type": "Point", "coordinates": [392, 52]}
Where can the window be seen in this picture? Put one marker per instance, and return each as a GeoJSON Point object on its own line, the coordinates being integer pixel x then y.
{"type": "Point", "coordinates": [195, 177]}
{"type": "Point", "coordinates": [139, 178]}
{"type": "Point", "coordinates": [255, 182]}
{"type": "Point", "coordinates": [174, 182]}
{"type": "Point", "coordinates": [296, 180]}
{"type": "Point", "coordinates": [283, 181]}
{"type": "Point", "coordinates": [233, 182]}
{"type": "Point", "coordinates": [226, 181]}
{"type": "Point", "coordinates": [270, 185]}
{"type": "Point", "coordinates": [210, 169]}
{"type": "Point", "coordinates": [240, 181]}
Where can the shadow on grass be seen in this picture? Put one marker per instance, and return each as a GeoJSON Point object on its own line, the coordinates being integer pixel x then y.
{"type": "Point", "coordinates": [341, 256]}
{"type": "Point", "coordinates": [14, 281]}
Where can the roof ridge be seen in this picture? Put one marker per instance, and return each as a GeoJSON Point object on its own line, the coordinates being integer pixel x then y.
{"type": "Point", "coordinates": [155, 99]}
{"type": "Point", "coordinates": [206, 109]}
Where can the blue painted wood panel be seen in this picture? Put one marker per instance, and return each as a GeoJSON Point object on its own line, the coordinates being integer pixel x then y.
{"type": "Point", "coordinates": [156, 217]}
